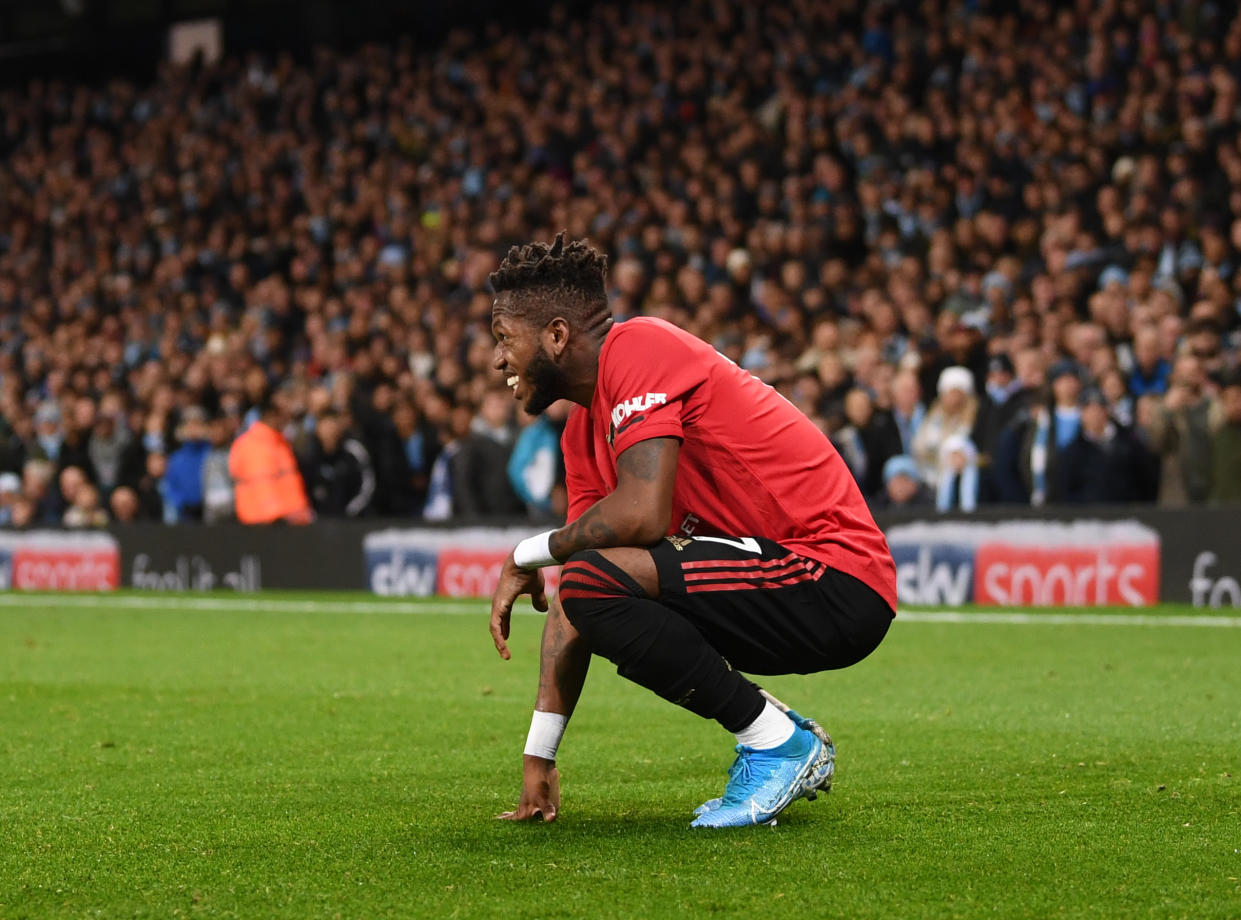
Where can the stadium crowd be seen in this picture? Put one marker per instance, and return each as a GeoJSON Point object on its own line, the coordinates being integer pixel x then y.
{"type": "Point", "coordinates": [996, 255]}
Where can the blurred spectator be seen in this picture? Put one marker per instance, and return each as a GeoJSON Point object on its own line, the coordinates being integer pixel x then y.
{"type": "Point", "coordinates": [46, 504]}
{"type": "Point", "coordinates": [1204, 341]}
{"type": "Point", "coordinates": [74, 448]}
{"type": "Point", "coordinates": [1003, 397]}
{"type": "Point", "coordinates": [903, 486]}
{"type": "Point", "coordinates": [1180, 432]}
{"type": "Point", "coordinates": [23, 514]}
{"type": "Point", "coordinates": [267, 486]}
{"type": "Point", "coordinates": [71, 481]}
{"type": "Point", "coordinates": [867, 440]}
{"type": "Point", "coordinates": [183, 480]}
{"type": "Point", "coordinates": [150, 487]}
{"type": "Point", "coordinates": [1025, 462]}
{"type": "Point", "coordinates": [536, 466]}
{"type": "Point", "coordinates": [476, 490]}
{"type": "Point", "coordinates": [952, 413]}
{"type": "Point", "coordinates": [10, 493]}
{"type": "Point", "coordinates": [340, 478]}
{"type": "Point", "coordinates": [907, 408]}
{"type": "Point", "coordinates": [48, 434]}
{"type": "Point", "coordinates": [85, 511]}
{"type": "Point", "coordinates": [217, 483]}
{"type": "Point", "coordinates": [419, 445]}
{"type": "Point", "coordinates": [1066, 390]}
{"type": "Point", "coordinates": [12, 443]}
{"type": "Point", "coordinates": [996, 407]}
{"type": "Point", "coordinates": [394, 491]}
{"type": "Point", "coordinates": [108, 442]}
{"type": "Point", "coordinates": [1150, 369]}
{"type": "Point", "coordinates": [441, 485]}
{"type": "Point", "coordinates": [957, 488]}
{"type": "Point", "coordinates": [125, 505]}
{"type": "Point", "coordinates": [1105, 462]}
{"type": "Point", "coordinates": [1120, 405]}
{"type": "Point", "coordinates": [1226, 446]}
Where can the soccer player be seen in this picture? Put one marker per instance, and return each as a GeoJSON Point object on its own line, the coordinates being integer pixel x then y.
{"type": "Point", "coordinates": [713, 530]}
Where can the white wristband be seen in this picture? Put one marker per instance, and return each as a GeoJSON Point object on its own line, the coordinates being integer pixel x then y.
{"type": "Point", "coordinates": [534, 552]}
{"type": "Point", "coordinates": [546, 730]}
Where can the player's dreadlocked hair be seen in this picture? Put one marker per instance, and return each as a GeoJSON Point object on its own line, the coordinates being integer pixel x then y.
{"type": "Point", "coordinates": [563, 279]}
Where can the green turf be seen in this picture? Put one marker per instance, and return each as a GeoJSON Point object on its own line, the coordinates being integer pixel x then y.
{"type": "Point", "coordinates": [226, 763]}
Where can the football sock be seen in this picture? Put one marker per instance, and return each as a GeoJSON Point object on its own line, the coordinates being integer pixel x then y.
{"type": "Point", "coordinates": [652, 645]}
{"type": "Point", "coordinates": [771, 729]}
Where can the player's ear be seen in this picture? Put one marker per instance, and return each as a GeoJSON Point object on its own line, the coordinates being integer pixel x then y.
{"type": "Point", "coordinates": [556, 336]}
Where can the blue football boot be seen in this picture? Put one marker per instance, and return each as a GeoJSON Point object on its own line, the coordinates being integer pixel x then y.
{"type": "Point", "coordinates": [826, 770]}
{"type": "Point", "coordinates": [761, 784]}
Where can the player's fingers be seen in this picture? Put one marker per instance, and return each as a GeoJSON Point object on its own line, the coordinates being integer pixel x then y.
{"type": "Point", "coordinates": [499, 632]}
{"type": "Point", "coordinates": [538, 596]}
{"type": "Point", "coordinates": [525, 813]}
{"type": "Point", "coordinates": [502, 647]}
{"type": "Point", "coordinates": [501, 610]}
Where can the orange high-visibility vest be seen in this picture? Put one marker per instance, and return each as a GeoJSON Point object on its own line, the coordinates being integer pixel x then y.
{"type": "Point", "coordinates": [266, 483]}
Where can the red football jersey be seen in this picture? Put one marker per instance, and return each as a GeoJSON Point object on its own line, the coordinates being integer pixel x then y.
{"type": "Point", "coordinates": [750, 464]}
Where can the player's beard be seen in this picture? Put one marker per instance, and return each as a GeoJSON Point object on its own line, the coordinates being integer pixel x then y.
{"type": "Point", "coordinates": [547, 381]}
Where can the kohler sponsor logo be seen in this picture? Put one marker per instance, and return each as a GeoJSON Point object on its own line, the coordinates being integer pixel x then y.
{"type": "Point", "coordinates": [192, 572]}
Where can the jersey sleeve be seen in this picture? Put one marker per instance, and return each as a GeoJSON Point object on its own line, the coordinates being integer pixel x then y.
{"type": "Point", "coordinates": [648, 378]}
{"type": "Point", "coordinates": [581, 478]}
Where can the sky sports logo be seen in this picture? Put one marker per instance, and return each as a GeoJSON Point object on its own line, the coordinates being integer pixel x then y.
{"type": "Point", "coordinates": [1027, 563]}
{"type": "Point", "coordinates": [407, 571]}
{"type": "Point", "coordinates": [450, 563]}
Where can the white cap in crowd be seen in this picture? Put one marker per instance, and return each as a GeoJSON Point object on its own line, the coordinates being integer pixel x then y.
{"type": "Point", "coordinates": [955, 378]}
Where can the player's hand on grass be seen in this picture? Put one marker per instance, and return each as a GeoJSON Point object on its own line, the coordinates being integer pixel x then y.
{"type": "Point", "coordinates": [514, 582]}
{"type": "Point", "coordinates": [540, 792]}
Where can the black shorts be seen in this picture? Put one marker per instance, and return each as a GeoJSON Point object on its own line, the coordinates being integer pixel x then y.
{"type": "Point", "coordinates": [766, 609]}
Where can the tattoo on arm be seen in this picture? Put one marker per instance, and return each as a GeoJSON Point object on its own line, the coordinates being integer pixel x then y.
{"type": "Point", "coordinates": [590, 530]}
{"type": "Point", "coordinates": [641, 461]}
{"type": "Point", "coordinates": [645, 476]}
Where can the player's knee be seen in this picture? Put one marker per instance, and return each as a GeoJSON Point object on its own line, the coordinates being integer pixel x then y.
{"type": "Point", "coordinates": [589, 578]}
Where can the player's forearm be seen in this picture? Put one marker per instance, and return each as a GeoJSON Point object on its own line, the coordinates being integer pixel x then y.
{"type": "Point", "coordinates": [636, 512]}
{"type": "Point", "coordinates": [563, 662]}
{"type": "Point", "coordinates": [611, 521]}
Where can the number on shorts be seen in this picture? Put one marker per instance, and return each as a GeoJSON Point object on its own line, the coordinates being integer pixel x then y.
{"type": "Point", "coordinates": [745, 544]}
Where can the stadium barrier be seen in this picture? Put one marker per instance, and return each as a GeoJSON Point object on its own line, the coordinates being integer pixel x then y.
{"type": "Point", "coordinates": [1004, 557]}
{"type": "Point", "coordinates": [158, 557]}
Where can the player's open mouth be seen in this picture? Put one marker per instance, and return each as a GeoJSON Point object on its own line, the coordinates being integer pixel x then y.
{"type": "Point", "coordinates": [514, 381]}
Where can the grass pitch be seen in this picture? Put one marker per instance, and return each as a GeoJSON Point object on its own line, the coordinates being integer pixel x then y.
{"type": "Point", "coordinates": [332, 757]}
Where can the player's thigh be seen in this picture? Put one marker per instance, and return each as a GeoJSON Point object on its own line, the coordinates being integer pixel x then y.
{"type": "Point", "coordinates": [767, 609]}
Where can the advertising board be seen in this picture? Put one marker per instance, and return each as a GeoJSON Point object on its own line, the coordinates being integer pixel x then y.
{"type": "Point", "coordinates": [1031, 563]}
{"type": "Point", "coordinates": [55, 560]}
